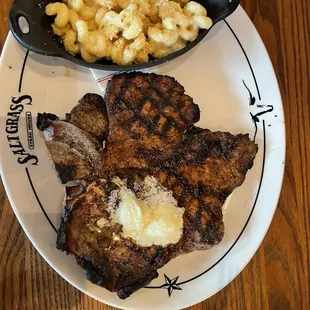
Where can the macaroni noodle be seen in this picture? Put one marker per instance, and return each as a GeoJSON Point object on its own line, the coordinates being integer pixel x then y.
{"type": "Point", "coordinates": [126, 31]}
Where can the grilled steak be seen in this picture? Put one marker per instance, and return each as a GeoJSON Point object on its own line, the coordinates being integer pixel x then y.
{"type": "Point", "coordinates": [76, 154]}
{"type": "Point", "coordinates": [202, 172]}
{"type": "Point", "coordinates": [151, 132]}
{"type": "Point", "coordinates": [108, 259]}
{"type": "Point", "coordinates": [145, 111]}
{"type": "Point", "coordinates": [91, 116]}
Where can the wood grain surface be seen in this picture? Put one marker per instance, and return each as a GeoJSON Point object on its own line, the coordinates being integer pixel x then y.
{"type": "Point", "coordinates": [278, 275]}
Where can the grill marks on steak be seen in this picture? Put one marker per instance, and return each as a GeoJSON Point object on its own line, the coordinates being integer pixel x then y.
{"type": "Point", "coordinates": [120, 264]}
{"type": "Point", "coordinates": [150, 132]}
{"type": "Point", "coordinates": [145, 111]}
{"type": "Point", "coordinates": [212, 160]}
{"type": "Point", "coordinates": [202, 172]}
{"type": "Point", "coordinates": [148, 107]}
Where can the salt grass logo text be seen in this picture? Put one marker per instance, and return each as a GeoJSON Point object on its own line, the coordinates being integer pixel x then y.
{"type": "Point", "coordinates": [12, 129]}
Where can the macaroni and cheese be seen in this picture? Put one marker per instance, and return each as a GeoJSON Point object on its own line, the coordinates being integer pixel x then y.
{"type": "Point", "coordinates": [126, 31]}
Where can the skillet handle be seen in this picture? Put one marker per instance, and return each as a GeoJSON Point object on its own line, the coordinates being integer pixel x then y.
{"type": "Point", "coordinates": [219, 9]}
{"type": "Point", "coordinates": [39, 38]}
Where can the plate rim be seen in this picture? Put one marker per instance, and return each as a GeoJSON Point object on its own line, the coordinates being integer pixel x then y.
{"type": "Point", "coordinates": [283, 142]}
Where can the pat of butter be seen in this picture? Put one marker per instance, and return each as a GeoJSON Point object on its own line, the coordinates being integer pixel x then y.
{"type": "Point", "coordinates": [154, 219]}
{"type": "Point", "coordinates": [129, 213]}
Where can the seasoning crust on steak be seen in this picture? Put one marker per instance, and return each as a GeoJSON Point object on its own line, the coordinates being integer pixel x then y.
{"type": "Point", "coordinates": [145, 111]}
{"type": "Point", "coordinates": [151, 132]}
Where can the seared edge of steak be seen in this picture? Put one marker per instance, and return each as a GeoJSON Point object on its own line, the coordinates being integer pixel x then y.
{"type": "Point", "coordinates": [98, 275]}
{"type": "Point", "coordinates": [44, 120]}
{"type": "Point", "coordinates": [76, 154]}
{"type": "Point", "coordinates": [90, 114]}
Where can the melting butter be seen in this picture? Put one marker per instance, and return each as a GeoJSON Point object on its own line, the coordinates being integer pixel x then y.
{"type": "Point", "coordinates": [152, 219]}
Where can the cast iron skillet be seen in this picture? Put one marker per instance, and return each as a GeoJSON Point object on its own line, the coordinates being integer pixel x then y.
{"type": "Point", "coordinates": [41, 40]}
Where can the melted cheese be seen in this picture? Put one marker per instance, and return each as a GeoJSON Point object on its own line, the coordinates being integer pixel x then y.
{"type": "Point", "coordinates": [152, 219]}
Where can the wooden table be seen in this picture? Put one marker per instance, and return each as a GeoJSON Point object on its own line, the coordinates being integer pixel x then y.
{"type": "Point", "coordinates": [278, 275]}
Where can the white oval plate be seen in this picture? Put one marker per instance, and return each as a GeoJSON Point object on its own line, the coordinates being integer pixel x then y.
{"type": "Point", "coordinates": [230, 76]}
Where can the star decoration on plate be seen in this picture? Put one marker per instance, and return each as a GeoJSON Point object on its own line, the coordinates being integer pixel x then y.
{"type": "Point", "coordinates": [171, 285]}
